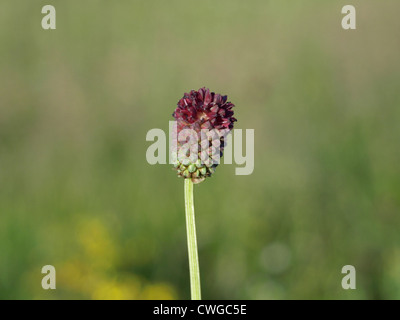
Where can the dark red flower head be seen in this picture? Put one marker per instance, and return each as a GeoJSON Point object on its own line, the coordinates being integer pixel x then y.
{"type": "Point", "coordinates": [202, 110]}
{"type": "Point", "coordinates": [205, 110]}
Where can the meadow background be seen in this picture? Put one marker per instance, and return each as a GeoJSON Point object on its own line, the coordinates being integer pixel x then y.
{"type": "Point", "coordinates": [76, 191]}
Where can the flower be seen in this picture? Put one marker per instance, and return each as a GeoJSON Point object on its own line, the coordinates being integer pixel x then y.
{"type": "Point", "coordinates": [210, 116]}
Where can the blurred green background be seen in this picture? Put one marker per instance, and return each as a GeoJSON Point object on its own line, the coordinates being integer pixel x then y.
{"type": "Point", "coordinates": [76, 191]}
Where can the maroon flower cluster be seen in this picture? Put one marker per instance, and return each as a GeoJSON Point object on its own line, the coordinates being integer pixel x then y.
{"type": "Point", "coordinates": [202, 110]}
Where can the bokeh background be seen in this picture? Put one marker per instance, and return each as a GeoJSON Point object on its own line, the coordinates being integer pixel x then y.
{"type": "Point", "coordinates": [76, 191]}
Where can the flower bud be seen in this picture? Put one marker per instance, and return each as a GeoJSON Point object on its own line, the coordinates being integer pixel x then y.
{"type": "Point", "coordinates": [203, 112]}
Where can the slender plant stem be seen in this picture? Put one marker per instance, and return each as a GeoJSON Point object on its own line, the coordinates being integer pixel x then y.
{"type": "Point", "coordinates": [192, 242]}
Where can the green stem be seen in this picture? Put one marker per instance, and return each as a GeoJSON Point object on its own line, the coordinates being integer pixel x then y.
{"type": "Point", "coordinates": [192, 242]}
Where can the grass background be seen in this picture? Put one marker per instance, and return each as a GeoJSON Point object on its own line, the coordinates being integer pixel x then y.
{"type": "Point", "coordinates": [76, 191]}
